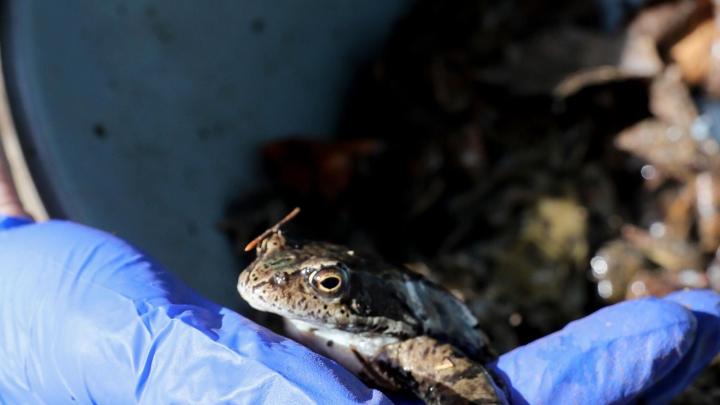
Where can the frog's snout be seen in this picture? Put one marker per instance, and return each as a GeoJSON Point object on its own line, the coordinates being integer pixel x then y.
{"type": "Point", "coordinates": [245, 288]}
{"type": "Point", "coordinates": [244, 281]}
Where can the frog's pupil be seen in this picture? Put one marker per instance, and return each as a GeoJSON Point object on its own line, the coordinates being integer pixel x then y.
{"type": "Point", "coordinates": [330, 283]}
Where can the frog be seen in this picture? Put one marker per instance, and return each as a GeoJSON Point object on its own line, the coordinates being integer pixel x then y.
{"type": "Point", "coordinates": [393, 328]}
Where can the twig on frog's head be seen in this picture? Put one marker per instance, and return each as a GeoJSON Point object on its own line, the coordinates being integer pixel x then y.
{"type": "Point", "coordinates": [250, 246]}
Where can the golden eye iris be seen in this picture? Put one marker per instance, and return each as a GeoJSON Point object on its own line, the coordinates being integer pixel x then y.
{"type": "Point", "coordinates": [328, 280]}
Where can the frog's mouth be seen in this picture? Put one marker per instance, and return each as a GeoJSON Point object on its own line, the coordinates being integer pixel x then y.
{"type": "Point", "coordinates": [258, 302]}
{"type": "Point", "coordinates": [249, 293]}
{"type": "Point", "coordinates": [254, 301]}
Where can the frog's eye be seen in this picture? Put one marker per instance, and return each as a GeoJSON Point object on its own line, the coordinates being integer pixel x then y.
{"type": "Point", "coordinates": [328, 280]}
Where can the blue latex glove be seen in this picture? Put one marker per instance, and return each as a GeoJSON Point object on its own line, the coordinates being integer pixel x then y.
{"type": "Point", "coordinates": [86, 318]}
{"type": "Point", "coordinates": [649, 348]}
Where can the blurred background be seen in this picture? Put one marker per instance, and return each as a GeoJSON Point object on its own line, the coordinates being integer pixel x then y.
{"type": "Point", "coordinates": [540, 160]}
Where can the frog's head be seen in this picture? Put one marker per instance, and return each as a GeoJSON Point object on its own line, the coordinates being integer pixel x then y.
{"type": "Point", "coordinates": [289, 280]}
{"type": "Point", "coordinates": [324, 285]}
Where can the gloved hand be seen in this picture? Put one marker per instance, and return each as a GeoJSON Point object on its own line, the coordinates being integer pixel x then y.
{"type": "Point", "coordinates": [648, 348]}
{"type": "Point", "coordinates": [85, 318]}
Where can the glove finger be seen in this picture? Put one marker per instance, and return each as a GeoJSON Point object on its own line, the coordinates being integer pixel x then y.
{"type": "Point", "coordinates": [610, 356]}
{"type": "Point", "coordinates": [705, 305]}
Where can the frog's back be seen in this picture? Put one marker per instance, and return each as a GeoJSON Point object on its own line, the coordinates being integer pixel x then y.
{"type": "Point", "coordinates": [446, 318]}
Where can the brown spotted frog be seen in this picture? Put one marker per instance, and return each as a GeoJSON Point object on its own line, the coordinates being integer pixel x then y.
{"type": "Point", "coordinates": [391, 327]}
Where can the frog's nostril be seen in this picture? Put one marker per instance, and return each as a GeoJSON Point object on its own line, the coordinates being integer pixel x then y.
{"type": "Point", "coordinates": [280, 278]}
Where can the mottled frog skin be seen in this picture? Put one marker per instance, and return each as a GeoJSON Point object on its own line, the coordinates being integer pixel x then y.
{"type": "Point", "coordinates": [392, 327]}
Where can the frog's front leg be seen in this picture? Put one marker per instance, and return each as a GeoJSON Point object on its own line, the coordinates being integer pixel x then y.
{"type": "Point", "coordinates": [439, 373]}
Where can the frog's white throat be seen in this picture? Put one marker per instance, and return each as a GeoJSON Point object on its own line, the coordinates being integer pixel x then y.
{"type": "Point", "coordinates": [343, 347]}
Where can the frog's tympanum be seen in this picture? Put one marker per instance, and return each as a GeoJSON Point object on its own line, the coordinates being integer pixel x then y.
{"type": "Point", "coordinates": [393, 328]}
